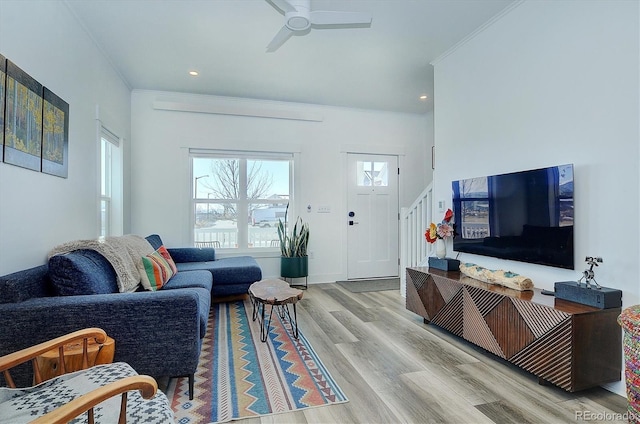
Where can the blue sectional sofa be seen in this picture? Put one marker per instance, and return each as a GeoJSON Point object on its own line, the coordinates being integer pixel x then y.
{"type": "Point", "coordinates": [158, 333]}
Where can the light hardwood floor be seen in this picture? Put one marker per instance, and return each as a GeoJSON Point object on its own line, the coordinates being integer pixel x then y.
{"type": "Point", "coordinates": [393, 368]}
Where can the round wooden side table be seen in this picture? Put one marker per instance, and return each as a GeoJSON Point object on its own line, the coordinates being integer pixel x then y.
{"type": "Point", "coordinates": [49, 362]}
{"type": "Point", "coordinates": [278, 294]}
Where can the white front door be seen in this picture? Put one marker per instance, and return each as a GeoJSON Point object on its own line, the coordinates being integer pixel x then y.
{"type": "Point", "coordinates": [372, 216]}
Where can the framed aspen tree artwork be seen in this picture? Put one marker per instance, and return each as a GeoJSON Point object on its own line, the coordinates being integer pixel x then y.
{"type": "Point", "coordinates": [23, 119]}
{"type": "Point", "coordinates": [55, 135]}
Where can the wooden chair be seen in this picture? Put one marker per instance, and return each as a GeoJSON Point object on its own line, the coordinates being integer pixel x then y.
{"type": "Point", "coordinates": [86, 402]}
{"type": "Point", "coordinates": [214, 243]}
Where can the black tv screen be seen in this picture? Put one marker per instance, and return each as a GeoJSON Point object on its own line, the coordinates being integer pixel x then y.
{"type": "Point", "coordinates": [522, 216]}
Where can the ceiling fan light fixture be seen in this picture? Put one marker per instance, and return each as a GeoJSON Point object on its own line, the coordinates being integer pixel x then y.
{"type": "Point", "coordinates": [298, 23]}
{"type": "Point", "coordinates": [298, 18]}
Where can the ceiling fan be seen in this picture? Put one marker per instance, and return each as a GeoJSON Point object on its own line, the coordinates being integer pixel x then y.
{"type": "Point", "coordinates": [299, 17]}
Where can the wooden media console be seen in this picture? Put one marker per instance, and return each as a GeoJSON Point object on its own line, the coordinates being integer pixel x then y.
{"type": "Point", "coordinates": [567, 344]}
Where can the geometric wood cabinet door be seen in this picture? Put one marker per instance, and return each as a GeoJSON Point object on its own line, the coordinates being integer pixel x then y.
{"type": "Point", "coordinates": [567, 344]}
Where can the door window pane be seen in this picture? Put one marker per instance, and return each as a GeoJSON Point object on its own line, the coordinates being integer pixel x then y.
{"type": "Point", "coordinates": [372, 174]}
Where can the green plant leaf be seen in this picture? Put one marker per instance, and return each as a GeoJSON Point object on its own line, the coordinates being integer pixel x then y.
{"type": "Point", "coordinates": [294, 244]}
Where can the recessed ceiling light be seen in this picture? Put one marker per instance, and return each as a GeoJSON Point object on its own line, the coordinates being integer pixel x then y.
{"type": "Point", "coordinates": [423, 97]}
{"type": "Point", "coordinates": [193, 73]}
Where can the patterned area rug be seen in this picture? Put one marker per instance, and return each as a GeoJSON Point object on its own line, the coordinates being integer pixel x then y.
{"type": "Point", "coordinates": [239, 377]}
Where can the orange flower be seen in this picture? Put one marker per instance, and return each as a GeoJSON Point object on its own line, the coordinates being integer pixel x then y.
{"type": "Point", "coordinates": [432, 233]}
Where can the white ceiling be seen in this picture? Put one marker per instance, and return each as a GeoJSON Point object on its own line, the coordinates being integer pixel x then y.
{"type": "Point", "coordinates": [153, 45]}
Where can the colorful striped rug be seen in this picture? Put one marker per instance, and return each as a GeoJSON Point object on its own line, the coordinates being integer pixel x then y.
{"type": "Point", "coordinates": [239, 376]}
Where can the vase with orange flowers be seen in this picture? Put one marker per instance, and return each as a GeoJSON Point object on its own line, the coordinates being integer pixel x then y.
{"type": "Point", "coordinates": [437, 233]}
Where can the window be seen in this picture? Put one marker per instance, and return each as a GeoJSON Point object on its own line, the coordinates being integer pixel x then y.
{"type": "Point", "coordinates": [370, 173]}
{"type": "Point", "coordinates": [110, 208]}
{"type": "Point", "coordinates": [238, 198]}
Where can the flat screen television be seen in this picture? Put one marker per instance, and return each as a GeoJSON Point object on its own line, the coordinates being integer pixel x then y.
{"type": "Point", "coordinates": [523, 216]}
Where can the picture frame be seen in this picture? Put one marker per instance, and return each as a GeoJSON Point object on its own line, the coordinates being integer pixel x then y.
{"type": "Point", "coordinates": [3, 82]}
{"type": "Point", "coordinates": [55, 135]}
{"type": "Point", "coordinates": [23, 119]}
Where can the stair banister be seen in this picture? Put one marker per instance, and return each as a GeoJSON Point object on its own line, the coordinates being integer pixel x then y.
{"type": "Point", "coordinates": [414, 221]}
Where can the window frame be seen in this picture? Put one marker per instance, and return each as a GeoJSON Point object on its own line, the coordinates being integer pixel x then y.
{"type": "Point", "coordinates": [242, 202]}
{"type": "Point", "coordinates": [111, 175]}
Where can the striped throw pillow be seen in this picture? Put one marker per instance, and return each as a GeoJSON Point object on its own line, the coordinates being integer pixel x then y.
{"type": "Point", "coordinates": [157, 271]}
{"type": "Point", "coordinates": [165, 254]}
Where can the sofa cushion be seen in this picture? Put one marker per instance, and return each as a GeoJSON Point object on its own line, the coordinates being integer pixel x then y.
{"type": "Point", "coordinates": [26, 284]}
{"type": "Point", "coordinates": [190, 279]}
{"type": "Point", "coordinates": [200, 281]}
{"type": "Point", "coordinates": [203, 293]}
{"type": "Point", "coordinates": [204, 299]}
{"type": "Point", "coordinates": [82, 272]}
{"type": "Point", "coordinates": [154, 240]}
{"type": "Point", "coordinates": [157, 271]}
{"type": "Point", "coordinates": [192, 254]}
{"type": "Point", "coordinates": [234, 270]}
{"type": "Point", "coordinates": [224, 290]}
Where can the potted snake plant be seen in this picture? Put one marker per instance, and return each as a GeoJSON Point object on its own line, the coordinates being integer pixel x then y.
{"type": "Point", "coordinates": [294, 262]}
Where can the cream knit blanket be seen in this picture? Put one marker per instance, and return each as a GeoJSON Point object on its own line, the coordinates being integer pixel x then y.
{"type": "Point", "coordinates": [124, 253]}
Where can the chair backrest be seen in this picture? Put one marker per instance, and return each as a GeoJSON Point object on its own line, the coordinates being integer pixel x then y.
{"type": "Point", "coordinates": [213, 243]}
{"type": "Point", "coordinates": [32, 353]}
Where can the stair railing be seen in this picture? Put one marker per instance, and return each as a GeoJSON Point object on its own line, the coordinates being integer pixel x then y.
{"type": "Point", "coordinates": [414, 220]}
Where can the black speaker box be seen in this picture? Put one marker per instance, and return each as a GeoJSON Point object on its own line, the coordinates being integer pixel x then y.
{"type": "Point", "coordinates": [444, 264]}
{"type": "Point", "coordinates": [603, 297]}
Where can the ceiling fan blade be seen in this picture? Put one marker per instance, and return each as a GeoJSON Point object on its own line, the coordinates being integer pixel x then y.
{"type": "Point", "coordinates": [283, 5]}
{"type": "Point", "coordinates": [326, 17]}
{"type": "Point", "coordinates": [283, 35]}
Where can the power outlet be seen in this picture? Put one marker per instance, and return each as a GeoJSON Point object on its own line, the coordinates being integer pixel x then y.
{"type": "Point", "coordinates": [311, 254]}
{"type": "Point", "coordinates": [441, 205]}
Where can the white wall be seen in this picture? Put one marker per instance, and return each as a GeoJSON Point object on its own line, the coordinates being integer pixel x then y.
{"type": "Point", "coordinates": [161, 140]}
{"type": "Point", "coordinates": [39, 211]}
{"type": "Point", "coordinates": [552, 83]}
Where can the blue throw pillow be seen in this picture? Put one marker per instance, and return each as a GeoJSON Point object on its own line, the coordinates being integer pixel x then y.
{"type": "Point", "coordinates": [155, 241]}
{"type": "Point", "coordinates": [82, 272]}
